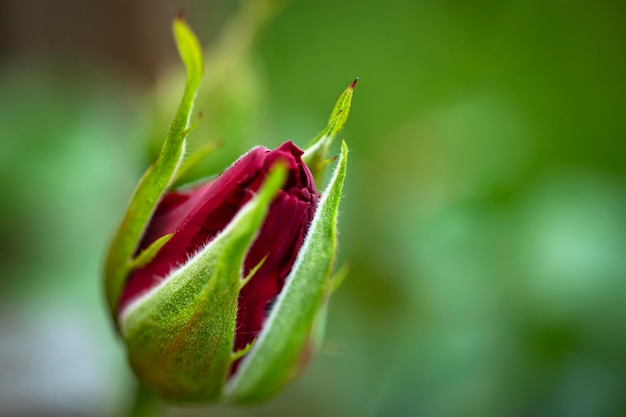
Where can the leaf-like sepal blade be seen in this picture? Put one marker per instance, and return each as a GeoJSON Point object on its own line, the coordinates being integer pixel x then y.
{"type": "Point", "coordinates": [315, 152]}
{"type": "Point", "coordinates": [159, 175]}
{"type": "Point", "coordinates": [144, 257]}
{"type": "Point", "coordinates": [278, 352]}
{"type": "Point", "coordinates": [180, 335]}
{"type": "Point", "coordinates": [190, 52]}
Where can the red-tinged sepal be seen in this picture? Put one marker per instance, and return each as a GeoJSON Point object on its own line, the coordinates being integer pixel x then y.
{"type": "Point", "coordinates": [316, 151]}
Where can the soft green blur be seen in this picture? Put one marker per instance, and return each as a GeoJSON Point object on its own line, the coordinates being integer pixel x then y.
{"type": "Point", "coordinates": [484, 212]}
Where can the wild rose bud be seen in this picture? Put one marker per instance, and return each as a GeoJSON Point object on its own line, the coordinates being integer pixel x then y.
{"type": "Point", "coordinates": [219, 290]}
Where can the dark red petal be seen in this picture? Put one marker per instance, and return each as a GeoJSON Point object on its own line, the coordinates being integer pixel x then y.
{"type": "Point", "coordinates": [171, 212]}
{"type": "Point", "coordinates": [280, 239]}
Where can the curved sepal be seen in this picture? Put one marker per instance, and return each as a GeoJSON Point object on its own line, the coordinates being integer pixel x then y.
{"type": "Point", "coordinates": [277, 354]}
{"type": "Point", "coordinates": [180, 335]}
{"type": "Point", "coordinates": [159, 175]}
{"type": "Point", "coordinates": [315, 152]}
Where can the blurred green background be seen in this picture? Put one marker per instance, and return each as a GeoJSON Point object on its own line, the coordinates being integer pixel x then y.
{"type": "Point", "coordinates": [484, 215]}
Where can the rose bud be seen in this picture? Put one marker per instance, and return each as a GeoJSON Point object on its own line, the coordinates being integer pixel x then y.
{"type": "Point", "coordinates": [219, 290]}
{"type": "Point", "coordinates": [195, 216]}
{"type": "Point", "coordinates": [226, 307]}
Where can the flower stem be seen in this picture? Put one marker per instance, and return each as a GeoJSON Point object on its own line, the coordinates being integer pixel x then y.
{"type": "Point", "coordinates": [145, 403]}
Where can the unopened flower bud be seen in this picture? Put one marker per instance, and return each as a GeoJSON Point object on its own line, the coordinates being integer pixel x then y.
{"type": "Point", "coordinates": [217, 288]}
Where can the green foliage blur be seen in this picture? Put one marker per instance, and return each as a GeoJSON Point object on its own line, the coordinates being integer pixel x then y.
{"type": "Point", "coordinates": [484, 216]}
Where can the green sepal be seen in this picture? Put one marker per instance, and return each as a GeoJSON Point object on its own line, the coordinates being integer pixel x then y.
{"type": "Point", "coordinates": [338, 278]}
{"type": "Point", "coordinates": [319, 326]}
{"type": "Point", "coordinates": [315, 152]}
{"type": "Point", "coordinates": [148, 254]}
{"type": "Point", "coordinates": [242, 352]}
{"type": "Point", "coordinates": [159, 175]}
{"type": "Point", "coordinates": [180, 335]}
{"type": "Point", "coordinates": [253, 271]}
{"type": "Point", "coordinates": [277, 354]}
{"type": "Point", "coordinates": [193, 159]}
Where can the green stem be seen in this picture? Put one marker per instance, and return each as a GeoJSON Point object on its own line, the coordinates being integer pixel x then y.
{"type": "Point", "coordinates": [145, 403]}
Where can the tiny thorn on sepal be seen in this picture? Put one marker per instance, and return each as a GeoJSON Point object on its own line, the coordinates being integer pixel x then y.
{"type": "Point", "coordinates": [192, 126]}
{"type": "Point", "coordinates": [329, 161]}
{"type": "Point", "coordinates": [354, 82]}
{"type": "Point", "coordinates": [180, 14]}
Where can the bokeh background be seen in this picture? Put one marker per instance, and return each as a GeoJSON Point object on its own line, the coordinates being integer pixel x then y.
{"type": "Point", "coordinates": [484, 215]}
